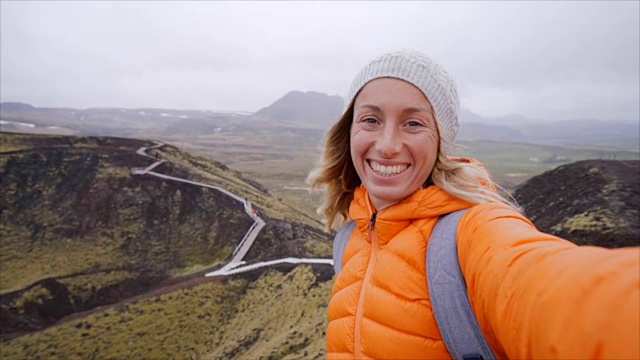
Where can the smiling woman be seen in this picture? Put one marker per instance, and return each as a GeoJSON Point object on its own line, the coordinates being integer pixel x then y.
{"type": "Point", "coordinates": [433, 95]}
{"type": "Point", "coordinates": [386, 166]}
{"type": "Point", "coordinates": [394, 140]}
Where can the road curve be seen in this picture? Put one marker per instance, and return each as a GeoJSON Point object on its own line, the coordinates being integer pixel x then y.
{"type": "Point", "coordinates": [235, 265]}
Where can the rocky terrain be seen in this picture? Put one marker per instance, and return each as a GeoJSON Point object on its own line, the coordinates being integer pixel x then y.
{"type": "Point", "coordinates": [591, 202]}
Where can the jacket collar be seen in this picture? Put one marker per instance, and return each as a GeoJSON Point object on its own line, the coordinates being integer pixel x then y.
{"type": "Point", "coordinates": [427, 203]}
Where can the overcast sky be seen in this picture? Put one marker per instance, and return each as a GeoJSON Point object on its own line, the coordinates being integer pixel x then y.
{"type": "Point", "coordinates": [552, 60]}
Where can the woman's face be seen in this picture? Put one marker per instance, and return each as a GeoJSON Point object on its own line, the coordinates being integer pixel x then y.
{"type": "Point", "coordinates": [394, 140]}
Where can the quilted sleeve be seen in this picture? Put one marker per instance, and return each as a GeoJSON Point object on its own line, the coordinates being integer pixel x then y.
{"type": "Point", "coordinates": [537, 296]}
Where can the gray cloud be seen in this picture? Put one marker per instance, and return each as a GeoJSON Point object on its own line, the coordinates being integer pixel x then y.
{"type": "Point", "coordinates": [540, 59]}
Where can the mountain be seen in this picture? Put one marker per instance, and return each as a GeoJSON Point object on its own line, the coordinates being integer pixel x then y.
{"type": "Point", "coordinates": [15, 106]}
{"type": "Point", "coordinates": [310, 108]}
{"type": "Point", "coordinates": [591, 202]}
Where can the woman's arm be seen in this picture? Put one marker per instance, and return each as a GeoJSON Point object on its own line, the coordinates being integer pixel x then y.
{"type": "Point", "coordinates": [537, 296]}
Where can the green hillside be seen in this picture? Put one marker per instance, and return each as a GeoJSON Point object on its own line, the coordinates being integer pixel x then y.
{"type": "Point", "coordinates": [78, 231]}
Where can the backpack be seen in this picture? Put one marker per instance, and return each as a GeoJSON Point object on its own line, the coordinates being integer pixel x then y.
{"type": "Point", "coordinates": [447, 289]}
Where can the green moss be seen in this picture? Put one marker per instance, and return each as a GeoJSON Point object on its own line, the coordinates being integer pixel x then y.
{"type": "Point", "coordinates": [86, 285]}
{"type": "Point", "coordinates": [106, 170]}
{"type": "Point", "coordinates": [38, 294]}
{"type": "Point", "coordinates": [612, 187]}
{"type": "Point", "coordinates": [20, 268]}
{"type": "Point", "coordinates": [598, 219]}
{"type": "Point", "coordinates": [283, 323]}
{"type": "Point", "coordinates": [317, 248]}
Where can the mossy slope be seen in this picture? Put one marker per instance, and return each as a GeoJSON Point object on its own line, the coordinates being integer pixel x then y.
{"type": "Point", "coordinates": [591, 202]}
{"type": "Point", "coordinates": [279, 315]}
{"type": "Point", "coordinates": [77, 231]}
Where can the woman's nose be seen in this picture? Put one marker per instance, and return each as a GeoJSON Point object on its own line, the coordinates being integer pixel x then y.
{"type": "Point", "coordinates": [388, 144]}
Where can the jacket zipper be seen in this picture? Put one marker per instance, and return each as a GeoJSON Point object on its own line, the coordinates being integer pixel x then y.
{"type": "Point", "coordinates": [372, 237]}
{"type": "Point", "coordinates": [372, 222]}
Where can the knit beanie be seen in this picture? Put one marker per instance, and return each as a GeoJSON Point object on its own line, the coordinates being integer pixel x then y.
{"type": "Point", "coordinates": [425, 74]}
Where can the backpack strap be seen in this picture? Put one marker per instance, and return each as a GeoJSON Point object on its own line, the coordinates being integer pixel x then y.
{"type": "Point", "coordinates": [339, 243]}
{"type": "Point", "coordinates": [448, 292]}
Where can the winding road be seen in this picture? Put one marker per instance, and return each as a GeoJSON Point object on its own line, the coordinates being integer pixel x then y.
{"type": "Point", "coordinates": [236, 264]}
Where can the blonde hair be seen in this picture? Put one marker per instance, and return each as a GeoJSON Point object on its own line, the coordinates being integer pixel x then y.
{"type": "Point", "coordinates": [466, 180]}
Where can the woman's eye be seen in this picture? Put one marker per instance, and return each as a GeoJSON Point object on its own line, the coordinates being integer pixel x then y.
{"type": "Point", "coordinates": [369, 120]}
{"type": "Point", "coordinates": [414, 123]}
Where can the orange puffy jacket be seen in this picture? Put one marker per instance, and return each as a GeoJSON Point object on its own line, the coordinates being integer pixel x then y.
{"type": "Point", "coordinates": [535, 296]}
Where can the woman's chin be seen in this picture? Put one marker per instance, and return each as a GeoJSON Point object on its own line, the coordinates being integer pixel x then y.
{"type": "Point", "coordinates": [385, 197]}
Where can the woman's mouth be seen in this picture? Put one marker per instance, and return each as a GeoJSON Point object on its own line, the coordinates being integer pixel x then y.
{"type": "Point", "coordinates": [384, 170]}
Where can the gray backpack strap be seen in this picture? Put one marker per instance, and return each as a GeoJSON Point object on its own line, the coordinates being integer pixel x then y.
{"type": "Point", "coordinates": [340, 242]}
{"type": "Point", "coordinates": [448, 292]}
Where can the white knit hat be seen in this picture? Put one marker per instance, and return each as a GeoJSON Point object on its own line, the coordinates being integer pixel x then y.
{"type": "Point", "coordinates": [425, 74]}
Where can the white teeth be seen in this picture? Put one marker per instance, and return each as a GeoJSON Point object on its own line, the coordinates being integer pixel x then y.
{"type": "Point", "coordinates": [387, 170]}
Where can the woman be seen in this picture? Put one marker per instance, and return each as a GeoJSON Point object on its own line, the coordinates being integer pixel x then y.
{"type": "Point", "coordinates": [385, 166]}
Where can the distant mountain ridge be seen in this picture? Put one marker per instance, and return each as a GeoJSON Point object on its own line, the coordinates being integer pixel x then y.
{"type": "Point", "coordinates": [572, 131]}
{"type": "Point", "coordinates": [312, 111]}
{"type": "Point", "coordinates": [321, 110]}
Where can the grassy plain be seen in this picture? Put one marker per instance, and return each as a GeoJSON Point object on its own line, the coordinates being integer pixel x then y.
{"type": "Point", "coordinates": [513, 163]}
